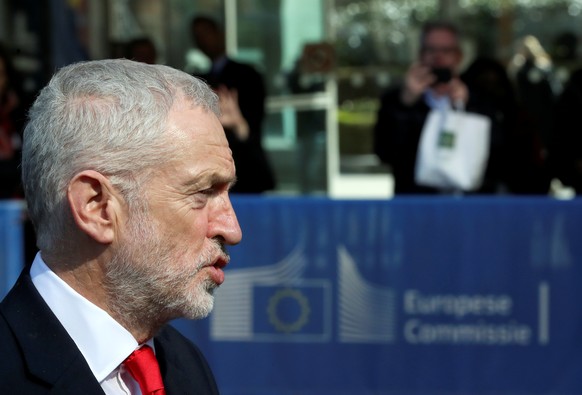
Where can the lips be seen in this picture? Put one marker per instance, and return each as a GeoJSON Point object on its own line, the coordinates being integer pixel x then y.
{"type": "Point", "coordinates": [216, 272]}
{"type": "Point", "coordinates": [221, 261]}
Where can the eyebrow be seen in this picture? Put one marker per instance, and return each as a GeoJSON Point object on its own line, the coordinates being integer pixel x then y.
{"type": "Point", "coordinates": [232, 182]}
{"type": "Point", "coordinates": [212, 179]}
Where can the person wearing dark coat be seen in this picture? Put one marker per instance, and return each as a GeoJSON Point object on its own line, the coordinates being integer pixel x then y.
{"type": "Point", "coordinates": [39, 356]}
{"type": "Point", "coordinates": [126, 173]}
{"type": "Point", "coordinates": [242, 93]}
{"type": "Point", "coordinates": [430, 82]}
{"type": "Point", "coordinates": [566, 142]}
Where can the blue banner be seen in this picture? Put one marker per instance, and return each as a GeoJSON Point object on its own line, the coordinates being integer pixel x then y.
{"type": "Point", "coordinates": [11, 243]}
{"type": "Point", "coordinates": [407, 296]}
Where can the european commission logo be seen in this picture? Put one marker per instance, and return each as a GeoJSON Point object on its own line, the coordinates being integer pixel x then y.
{"type": "Point", "coordinates": [367, 312]}
{"type": "Point", "coordinates": [273, 304]}
{"type": "Point", "coordinates": [295, 312]}
{"type": "Point", "coordinates": [276, 304]}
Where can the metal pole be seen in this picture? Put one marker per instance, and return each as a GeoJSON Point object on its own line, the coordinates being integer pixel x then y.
{"type": "Point", "coordinates": [230, 27]}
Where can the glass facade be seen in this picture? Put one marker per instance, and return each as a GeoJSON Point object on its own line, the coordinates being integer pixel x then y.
{"type": "Point", "coordinates": [325, 62]}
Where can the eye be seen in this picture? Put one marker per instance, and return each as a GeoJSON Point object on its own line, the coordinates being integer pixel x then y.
{"type": "Point", "coordinates": [208, 191]}
{"type": "Point", "coordinates": [202, 196]}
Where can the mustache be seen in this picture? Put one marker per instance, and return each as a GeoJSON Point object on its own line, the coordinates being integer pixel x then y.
{"type": "Point", "coordinates": [218, 246]}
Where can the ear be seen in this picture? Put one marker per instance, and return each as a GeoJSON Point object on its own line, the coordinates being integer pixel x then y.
{"type": "Point", "coordinates": [95, 206]}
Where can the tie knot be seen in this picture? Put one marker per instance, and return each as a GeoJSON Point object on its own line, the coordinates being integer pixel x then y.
{"type": "Point", "coordinates": [143, 367]}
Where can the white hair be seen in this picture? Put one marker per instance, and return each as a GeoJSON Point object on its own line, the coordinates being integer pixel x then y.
{"type": "Point", "coordinates": [109, 116]}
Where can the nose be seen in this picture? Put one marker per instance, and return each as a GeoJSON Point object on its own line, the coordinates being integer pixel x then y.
{"type": "Point", "coordinates": [222, 221]}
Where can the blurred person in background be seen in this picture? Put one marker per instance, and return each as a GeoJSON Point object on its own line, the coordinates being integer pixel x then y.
{"type": "Point", "coordinates": [523, 167]}
{"type": "Point", "coordinates": [242, 103]}
{"type": "Point", "coordinates": [566, 149]}
{"type": "Point", "coordinates": [142, 49]}
{"type": "Point", "coordinates": [532, 70]}
{"type": "Point", "coordinates": [432, 81]}
{"type": "Point", "coordinates": [12, 115]}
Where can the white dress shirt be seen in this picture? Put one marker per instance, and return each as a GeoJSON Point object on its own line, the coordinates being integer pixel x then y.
{"type": "Point", "coordinates": [104, 343]}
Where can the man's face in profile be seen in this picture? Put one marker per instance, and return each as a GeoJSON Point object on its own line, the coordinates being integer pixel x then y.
{"type": "Point", "coordinates": [172, 253]}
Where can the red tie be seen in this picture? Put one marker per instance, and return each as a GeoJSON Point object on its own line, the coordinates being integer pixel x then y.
{"type": "Point", "coordinates": [143, 367]}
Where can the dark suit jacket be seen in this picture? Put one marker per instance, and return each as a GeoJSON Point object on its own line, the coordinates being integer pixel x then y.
{"type": "Point", "coordinates": [253, 170]}
{"type": "Point", "coordinates": [37, 356]}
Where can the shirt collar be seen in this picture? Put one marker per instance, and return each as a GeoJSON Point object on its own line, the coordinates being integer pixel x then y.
{"type": "Point", "coordinates": [436, 102]}
{"type": "Point", "coordinates": [104, 343]}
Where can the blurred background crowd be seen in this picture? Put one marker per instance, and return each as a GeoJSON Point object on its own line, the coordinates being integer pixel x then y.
{"type": "Point", "coordinates": [318, 70]}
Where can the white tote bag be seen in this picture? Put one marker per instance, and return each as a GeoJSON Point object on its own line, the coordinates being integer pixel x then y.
{"type": "Point", "coordinates": [453, 150]}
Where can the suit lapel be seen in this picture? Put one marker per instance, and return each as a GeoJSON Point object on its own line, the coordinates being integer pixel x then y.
{"type": "Point", "coordinates": [175, 379]}
{"type": "Point", "coordinates": [183, 367]}
{"type": "Point", "coordinates": [49, 352]}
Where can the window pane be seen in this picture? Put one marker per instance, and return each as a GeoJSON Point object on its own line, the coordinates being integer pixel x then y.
{"type": "Point", "coordinates": [272, 35]}
{"type": "Point", "coordinates": [296, 141]}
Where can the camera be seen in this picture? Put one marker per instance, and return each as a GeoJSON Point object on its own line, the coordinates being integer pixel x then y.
{"type": "Point", "coordinates": [443, 74]}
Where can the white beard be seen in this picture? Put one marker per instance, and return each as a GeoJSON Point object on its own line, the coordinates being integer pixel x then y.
{"type": "Point", "coordinates": [149, 282]}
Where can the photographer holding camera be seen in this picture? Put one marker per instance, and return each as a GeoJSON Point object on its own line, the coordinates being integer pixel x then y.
{"type": "Point", "coordinates": [431, 82]}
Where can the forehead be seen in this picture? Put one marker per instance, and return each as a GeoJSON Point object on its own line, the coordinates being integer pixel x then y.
{"type": "Point", "coordinates": [440, 36]}
{"type": "Point", "coordinates": [188, 122]}
{"type": "Point", "coordinates": [199, 141]}
{"type": "Point", "coordinates": [205, 28]}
